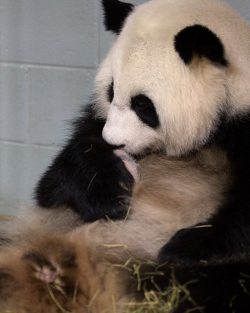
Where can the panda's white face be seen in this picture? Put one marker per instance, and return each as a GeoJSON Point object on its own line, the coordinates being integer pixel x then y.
{"type": "Point", "coordinates": [151, 98]}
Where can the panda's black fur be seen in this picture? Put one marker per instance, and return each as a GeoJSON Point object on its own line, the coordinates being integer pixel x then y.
{"type": "Point", "coordinates": [199, 40]}
{"type": "Point", "coordinates": [212, 258]}
{"type": "Point", "coordinates": [86, 175]}
{"type": "Point", "coordinates": [117, 12]}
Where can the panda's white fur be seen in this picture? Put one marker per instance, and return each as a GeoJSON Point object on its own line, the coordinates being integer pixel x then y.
{"type": "Point", "coordinates": [172, 193]}
{"type": "Point", "coordinates": [144, 60]}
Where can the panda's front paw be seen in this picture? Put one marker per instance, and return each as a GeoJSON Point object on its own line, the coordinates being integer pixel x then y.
{"type": "Point", "coordinates": [92, 178]}
{"type": "Point", "coordinates": [191, 246]}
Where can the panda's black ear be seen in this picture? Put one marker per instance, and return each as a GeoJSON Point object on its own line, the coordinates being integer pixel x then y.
{"type": "Point", "coordinates": [199, 41]}
{"type": "Point", "coordinates": [115, 14]}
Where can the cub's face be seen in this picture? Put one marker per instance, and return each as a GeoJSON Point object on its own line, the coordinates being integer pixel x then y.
{"type": "Point", "coordinates": [161, 86]}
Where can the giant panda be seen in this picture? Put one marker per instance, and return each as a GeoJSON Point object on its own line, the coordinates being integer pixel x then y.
{"type": "Point", "coordinates": [181, 82]}
{"type": "Point", "coordinates": [175, 81]}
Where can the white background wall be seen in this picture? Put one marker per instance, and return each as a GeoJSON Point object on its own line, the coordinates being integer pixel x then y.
{"type": "Point", "coordinates": [49, 51]}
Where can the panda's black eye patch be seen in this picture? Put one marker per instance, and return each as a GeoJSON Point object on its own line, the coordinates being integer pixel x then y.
{"type": "Point", "coordinates": [145, 110]}
{"type": "Point", "coordinates": [111, 92]}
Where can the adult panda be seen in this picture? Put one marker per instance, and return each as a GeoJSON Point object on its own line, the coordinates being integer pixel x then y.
{"type": "Point", "coordinates": [175, 80]}
{"type": "Point", "coordinates": [178, 69]}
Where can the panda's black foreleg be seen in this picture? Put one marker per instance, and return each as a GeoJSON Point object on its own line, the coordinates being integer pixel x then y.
{"type": "Point", "coordinates": [87, 176]}
{"type": "Point", "coordinates": [226, 234]}
{"type": "Point", "coordinates": [220, 239]}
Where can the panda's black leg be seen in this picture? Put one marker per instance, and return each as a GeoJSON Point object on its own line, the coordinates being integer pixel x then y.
{"type": "Point", "coordinates": [223, 237]}
{"type": "Point", "coordinates": [227, 233]}
{"type": "Point", "coordinates": [87, 175]}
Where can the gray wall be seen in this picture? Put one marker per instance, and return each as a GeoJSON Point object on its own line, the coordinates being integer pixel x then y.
{"type": "Point", "coordinates": [49, 51]}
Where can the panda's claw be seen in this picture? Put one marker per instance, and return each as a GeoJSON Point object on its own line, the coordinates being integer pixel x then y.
{"type": "Point", "coordinates": [47, 275]}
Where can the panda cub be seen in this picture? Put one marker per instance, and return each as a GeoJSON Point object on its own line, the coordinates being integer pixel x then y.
{"type": "Point", "coordinates": [176, 81]}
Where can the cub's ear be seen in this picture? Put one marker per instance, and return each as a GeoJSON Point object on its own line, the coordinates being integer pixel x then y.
{"type": "Point", "coordinates": [199, 41]}
{"type": "Point", "coordinates": [115, 13]}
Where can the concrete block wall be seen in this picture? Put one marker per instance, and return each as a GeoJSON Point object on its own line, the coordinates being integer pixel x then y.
{"type": "Point", "coordinates": [49, 52]}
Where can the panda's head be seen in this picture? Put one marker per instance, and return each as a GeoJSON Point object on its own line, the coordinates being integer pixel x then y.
{"type": "Point", "coordinates": [176, 67]}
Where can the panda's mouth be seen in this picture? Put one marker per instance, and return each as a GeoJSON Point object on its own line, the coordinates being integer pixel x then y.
{"type": "Point", "coordinates": [142, 154]}
{"type": "Point", "coordinates": [129, 162]}
{"type": "Point", "coordinates": [135, 156]}
{"type": "Point", "coordinates": [146, 152]}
